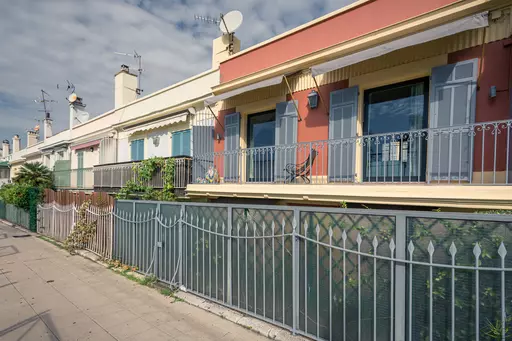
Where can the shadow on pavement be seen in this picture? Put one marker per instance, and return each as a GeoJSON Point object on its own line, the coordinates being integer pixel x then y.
{"type": "Point", "coordinates": [31, 320]}
{"type": "Point", "coordinates": [4, 250]}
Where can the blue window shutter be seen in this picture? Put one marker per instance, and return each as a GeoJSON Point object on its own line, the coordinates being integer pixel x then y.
{"type": "Point", "coordinates": [176, 143]}
{"type": "Point", "coordinates": [141, 149]}
{"type": "Point", "coordinates": [286, 135]}
{"type": "Point", "coordinates": [134, 150]}
{"type": "Point", "coordinates": [231, 145]}
{"type": "Point", "coordinates": [137, 150]}
{"type": "Point", "coordinates": [343, 125]}
{"type": "Point", "coordinates": [452, 103]}
{"type": "Point", "coordinates": [185, 142]}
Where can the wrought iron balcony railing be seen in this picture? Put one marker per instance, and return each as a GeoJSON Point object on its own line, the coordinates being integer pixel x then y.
{"type": "Point", "coordinates": [478, 153]}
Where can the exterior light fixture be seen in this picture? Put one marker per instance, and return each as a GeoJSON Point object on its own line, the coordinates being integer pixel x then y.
{"type": "Point", "coordinates": [313, 99]}
{"type": "Point", "coordinates": [218, 137]}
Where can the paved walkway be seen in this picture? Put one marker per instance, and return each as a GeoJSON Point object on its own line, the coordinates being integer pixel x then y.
{"type": "Point", "coordinates": [46, 294]}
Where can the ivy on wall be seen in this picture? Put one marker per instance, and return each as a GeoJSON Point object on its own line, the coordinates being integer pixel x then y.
{"type": "Point", "coordinates": [144, 173]}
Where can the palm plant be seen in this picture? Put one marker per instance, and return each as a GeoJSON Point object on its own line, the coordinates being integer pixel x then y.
{"type": "Point", "coordinates": [35, 175]}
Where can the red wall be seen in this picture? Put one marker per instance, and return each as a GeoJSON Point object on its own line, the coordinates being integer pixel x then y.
{"type": "Point", "coordinates": [496, 70]}
{"type": "Point", "coordinates": [353, 23]}
{"type": "Point", "coordinates": [315, 125]}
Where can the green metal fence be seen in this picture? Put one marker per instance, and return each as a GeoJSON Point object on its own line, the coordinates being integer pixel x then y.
{"type": "Point", "coordinates": [330, 274]}
{"type": "Point", "coordinates": [17, 216]}
{"type": "Point", "coordinates": [2, 210]}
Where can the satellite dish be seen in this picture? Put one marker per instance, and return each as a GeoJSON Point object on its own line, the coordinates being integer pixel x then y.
{"type": "Point", "coordinates": [81, 117]}
{"type": "Point", "coordinates": [72, 98]}
{"type": "Point", "coordinates": [231, 21]}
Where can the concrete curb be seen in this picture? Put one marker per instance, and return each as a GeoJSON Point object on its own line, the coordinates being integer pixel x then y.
{"type": "Point", "coordinates": [258, 326]}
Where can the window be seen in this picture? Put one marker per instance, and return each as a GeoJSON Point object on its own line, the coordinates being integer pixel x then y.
{"type": "Point", "coordinates": [181, 143]}
{"type": "Point", "coordinates": [389, 110]}
{"type": "Point", "coordinates": [137, 150]}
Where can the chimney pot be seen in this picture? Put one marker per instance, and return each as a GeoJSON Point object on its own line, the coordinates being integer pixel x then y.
{"type": "Point", "coordinates": [5, 148]}
{"type": "Point", "coordinates": [125, 84]}
{"type": "Point", "coordinates": [31, 138]}
{"type": "Point", "coordinates": [16, 143]}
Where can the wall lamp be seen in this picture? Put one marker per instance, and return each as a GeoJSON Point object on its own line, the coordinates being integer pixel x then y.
{"type": "Point", "coordinates": [313, 99]}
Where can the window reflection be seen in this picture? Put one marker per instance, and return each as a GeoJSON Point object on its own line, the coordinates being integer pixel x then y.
{"type": "Point", "coordinates": [391, 153]}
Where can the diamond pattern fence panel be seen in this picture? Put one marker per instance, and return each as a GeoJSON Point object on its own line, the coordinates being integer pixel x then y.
{"type": "Point", "coordinates": [331, 274]}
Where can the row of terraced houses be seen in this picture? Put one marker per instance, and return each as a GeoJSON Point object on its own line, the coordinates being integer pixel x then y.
{"type": "Point", "coordinates": [403, 103]}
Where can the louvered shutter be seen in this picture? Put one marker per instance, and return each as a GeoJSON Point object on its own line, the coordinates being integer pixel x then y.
{"type": "Point", "coordinates": [452, 103]}
{"type": "Point", "coordinates": [232, 147]}
{"type": "Point", "coordinates": [342, 133]}
{"type": "Point", "coordinates": [286, 139]}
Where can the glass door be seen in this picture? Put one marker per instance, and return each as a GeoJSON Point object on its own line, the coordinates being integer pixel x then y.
{"type": "Point", "coordinates": [394, 148]}
{"type": "Point", "coordinates": [261, 135]}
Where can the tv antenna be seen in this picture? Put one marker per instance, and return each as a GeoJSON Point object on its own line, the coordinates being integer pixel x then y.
{"type": "Point", "coordinates": [70, 87]}
{"type": "Point", "coordinates": [44, 100]}
{"type": "Point", "coordinates": [227, 23]}
{"type": "Point", "coordinates": [138, 58]}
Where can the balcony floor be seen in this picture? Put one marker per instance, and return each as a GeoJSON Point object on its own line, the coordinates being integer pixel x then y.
{"type": "Point", "coordinates": [442, 195]}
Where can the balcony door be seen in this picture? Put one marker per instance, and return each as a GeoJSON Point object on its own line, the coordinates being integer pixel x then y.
{"type": "Point", "coordinates": [261, 132]}
{"type": "Point", "coordinates": [394, 147]}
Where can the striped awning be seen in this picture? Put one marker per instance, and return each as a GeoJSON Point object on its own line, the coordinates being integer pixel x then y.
{"type": "Point", "coordinates": [160, 123]}
{"type": "Point", "coordinates": [469, 23]}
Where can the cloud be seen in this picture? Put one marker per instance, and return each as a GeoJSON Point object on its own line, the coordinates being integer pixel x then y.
{"type": "Point", "coordinates": [45, 43]}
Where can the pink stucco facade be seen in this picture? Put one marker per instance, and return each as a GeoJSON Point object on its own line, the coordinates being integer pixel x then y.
{"type": "Point", "coordinates": [345, 26]}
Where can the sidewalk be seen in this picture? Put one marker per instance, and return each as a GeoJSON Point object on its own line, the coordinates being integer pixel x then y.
{"type": "Point", "coordinates": [46, 294]}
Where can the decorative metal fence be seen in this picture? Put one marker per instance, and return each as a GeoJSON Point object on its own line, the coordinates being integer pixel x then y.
{"type": "Point", "coordinates": [16, 215]}
{"type": "Point", "coordinates": [57, 222]}
{"type": "Point", "coordinates": [331, 274]}
{"type": "Point", "coordinates": [2, 210]}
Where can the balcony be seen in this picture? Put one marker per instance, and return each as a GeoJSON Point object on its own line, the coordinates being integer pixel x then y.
{"type": "Point", "coordinates": [112, 177]}
{"type": "Point", "coordinates": [473, 154]}
{"type": "Point", "coordinates": [81, 178]}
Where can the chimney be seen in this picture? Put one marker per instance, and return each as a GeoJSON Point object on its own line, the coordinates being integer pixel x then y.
{"type": "Point", "coordinates": [16, 143]}
{"type": "Point", "coordinates": [77, 113]}
{"type": "Point", "coordinates": [125, 87]}
{"type": "Point", "coordinates": [223, 47]}
{"type": "Point", "coordinates": [31, 138]}
{"type": "Point", "coordinates": [47, 128]}
{"type": "Point", "coordinates": [5, 148]}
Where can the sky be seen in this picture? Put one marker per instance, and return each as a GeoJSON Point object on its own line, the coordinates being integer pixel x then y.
{"type": "Point", "coordinates": [47, 42]}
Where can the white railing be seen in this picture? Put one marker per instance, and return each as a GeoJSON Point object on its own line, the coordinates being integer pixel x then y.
{"type": "Point", "coordinates": [57, 222]}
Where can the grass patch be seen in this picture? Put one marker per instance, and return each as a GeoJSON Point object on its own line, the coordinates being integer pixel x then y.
{"type": "Point", "coordinates": [51, 241]}
{"type": "Point", "coordinates": [166, 292]}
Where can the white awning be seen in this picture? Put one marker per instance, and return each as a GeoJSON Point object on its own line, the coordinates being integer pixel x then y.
{"type": "Point", "coordinates": [469, 23]}
{"type": "Point", "coordinates": [226, 95]}
{"type": "Point", "coordinates": [161, 123]}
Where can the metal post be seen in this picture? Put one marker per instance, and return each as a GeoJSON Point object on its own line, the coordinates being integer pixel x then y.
{"type": "Point", "coordinates": [157, 241]}
{"type": "Point", "coordinates": [230, 250]}
{"type": "Point", "coordinates": [295, 269]}
{"type": "Point", "coordinates": [400, 280]}
{"type": "Point", "coordinates": [180, 244]}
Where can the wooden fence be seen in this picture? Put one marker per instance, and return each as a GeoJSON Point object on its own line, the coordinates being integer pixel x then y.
{"type": "Point", "coordinates": [59, 214]}
{"type": "Point", "coordinates": [65, 198]}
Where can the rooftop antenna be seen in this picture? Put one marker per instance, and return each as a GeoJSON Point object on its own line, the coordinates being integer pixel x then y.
{"type": "Point", "coordinates": [70, 87]}
{"type": "Point", "coordinates": [227, 23]}
{"type": "Point", "coordinates": [44, 100]}
{"type": "Point", "coordinates": [137, 57]}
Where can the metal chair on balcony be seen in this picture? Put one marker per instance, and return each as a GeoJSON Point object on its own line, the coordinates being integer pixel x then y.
{"type": "Point", "coordinates": [302, 170]}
